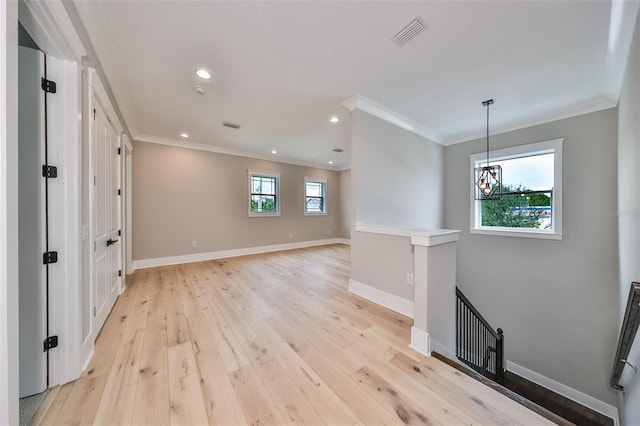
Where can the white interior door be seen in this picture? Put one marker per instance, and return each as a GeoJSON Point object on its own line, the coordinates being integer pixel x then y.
{"type": "Point", "coordinates": [107, 244]}
{"type": "Point", "coordinates": [31, 229]}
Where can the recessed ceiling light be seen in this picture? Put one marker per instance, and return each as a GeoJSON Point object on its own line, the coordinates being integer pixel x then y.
{"type": "Point", "coordinates": [334, 119]}
{"type": "Point", "coordinates": [184, 135]}
{"type": "Point", "coordinates": [203, 74]}
{"type": "Point", "coordinates": [273, 151]}
{"type": "Point", "coordinates": [330, 162]}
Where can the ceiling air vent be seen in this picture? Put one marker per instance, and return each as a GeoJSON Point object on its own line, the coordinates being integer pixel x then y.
{"type": "Point", "coordinates": [232, 125]}
{"type": "Point", "coordinates": [338, 150]}
{"type": "Point", "coordinates": [414, 28]}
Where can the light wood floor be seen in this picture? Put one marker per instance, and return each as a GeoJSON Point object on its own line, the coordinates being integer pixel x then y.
{"type": "Point", "coordinates": [266, 339]}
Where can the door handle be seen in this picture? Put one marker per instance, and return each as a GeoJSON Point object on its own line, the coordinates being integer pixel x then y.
{"type": "Point", "coordinates": [111, 242]}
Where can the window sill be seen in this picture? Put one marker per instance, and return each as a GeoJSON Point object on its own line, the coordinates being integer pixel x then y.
{"type": "Point", "coordinates": [517, 233]}
{"type": "Point", "coordinates": [264, 214]}
{"type": "Point", "coordinates": [315, 214]}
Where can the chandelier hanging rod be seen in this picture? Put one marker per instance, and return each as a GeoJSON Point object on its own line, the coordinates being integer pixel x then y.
{"type": "Point", "coordinates": [486, 104]}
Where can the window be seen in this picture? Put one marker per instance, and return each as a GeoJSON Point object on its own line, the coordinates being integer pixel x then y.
{"type": "Point", "coordinates": [264, 197]}
{"type": "Point", "coordinates": [315, 194]}
{"type": "Point", "coordinates": [531, 205]}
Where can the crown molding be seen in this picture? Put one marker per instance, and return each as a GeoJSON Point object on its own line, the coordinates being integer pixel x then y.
{"type": "Point", "coordinates": [382, 112]}
{"type": "Point", "coordinates": [227, 151]}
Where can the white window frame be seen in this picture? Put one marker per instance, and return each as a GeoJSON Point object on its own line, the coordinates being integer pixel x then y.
{"type": "Point", "coordinates": [260, 173]}
{"type": "Point", "coordinates": [547, 147]}
{"type": "Point", "coordinates": [324, 196]}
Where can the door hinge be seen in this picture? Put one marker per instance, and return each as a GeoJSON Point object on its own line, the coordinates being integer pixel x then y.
{"type": "Point", "coordinates": [119, 192]}
{"type": "Point", "coordinates": [119, 150]}
{"type": "Point", "coordinates": [94, 113]}
{"type": "Point", "coordinates": [120, 273]}
{"type": "Point", "coordinates": [94, 311]}
{"type": "Point", "coordinates": [49, 171]}
{"type": "Point", "coordinates": [50, 343]}
{"type": "Point", "coordinates": [119, 232]}
{"type": "Point", "coordinates": [50, 257]}
{"type": "Point", "coordinates": [48, 86]}
{"type": "Point", "coordinates": [94, 181]}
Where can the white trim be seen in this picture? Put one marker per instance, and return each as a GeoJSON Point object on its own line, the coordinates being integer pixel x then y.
{"type": "Point", "coordinates": [128, 197]}
{"type": "Point", "coordinates": [382, 298]}
{"type": "Point", "coordinates": [65, 221]}
{"type": "Point", "coordinates": [323, 181]}
{"type": "Point", "coordinates": [345, 241]}
{"type": "Point", "coordinates": [521, 151]}
{"type": "Point", "coordinates": [222, 254]}
{"type": "Point", "coordinates": [9, 359]}
{"type": "Point", "coordinates": [51, 28]}
{"type": "Point", "coordinates": [382, 112]}
{"type": "Point", "coordinates": [442, 350]}
{"type": "Point", "coordinates": [566, 391]}
{"type": "Point", "coordinates": [86, 362]}
{"type": "Point", "coordinates": [509, 232]}
{"type": "Point", "coordinates": [436, 238]}
{"type": "Point", "coordinates": [105, 102]}
{"type": "Point", "coordinates": [420, 341]}
{"type": "Point", "coordinates": [422, 237]}
{"type": "Point", "coordinates": [260, 173]}
{"type": "Point", "coordinates": [228, 151]}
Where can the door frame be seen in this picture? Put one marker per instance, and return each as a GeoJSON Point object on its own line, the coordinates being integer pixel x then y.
{"type": "Point", "coordinates": [9, 213]}
{"type": "Point", "coordinates": [126, 213]}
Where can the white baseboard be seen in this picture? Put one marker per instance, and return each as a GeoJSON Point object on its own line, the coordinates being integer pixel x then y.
{"type": "Point", "coordinates": [345, 241]}
{"type": "Point", "coordinates": [420, 341]}
{"type": "Point", "coordinates": [382, 298]}
{"type": "Point", "coordinates": [87, 361]}
{"type": "Point", "coordinates": [436, 346]}
{"type": "Point", "coordinates": [199, 257]}
{"type": "Point", "coordinates": [564, 390]}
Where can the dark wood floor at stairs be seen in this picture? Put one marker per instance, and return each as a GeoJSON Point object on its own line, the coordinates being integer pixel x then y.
{"type": "Point", "coordinates": [554, 407]}
{"type": "Point", "coordinates": [558, 404]}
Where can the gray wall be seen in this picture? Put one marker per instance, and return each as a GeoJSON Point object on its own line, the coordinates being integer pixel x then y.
{"type": "Point", "coordinates": [396, 175]}
{"type": "Point", "coordinates": [556, 300]}
{"type": "Point", "coordinates": [344, 204]}
{"type": "Point", "coordinates": [629, 218]}
{"type": "Point", "coordinates": [181, 195]}
{"type": "Point", "coordinates": [396, 180]}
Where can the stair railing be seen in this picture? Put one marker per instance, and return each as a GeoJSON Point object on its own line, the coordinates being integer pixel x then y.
{"type": "Point", "coordinates": [478, 345]}
{"type": "Point", "coordinates": [628, 333]}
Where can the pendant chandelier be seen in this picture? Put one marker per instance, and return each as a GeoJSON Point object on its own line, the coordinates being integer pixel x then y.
{"type": "Point", "coordinates": [488, 178]}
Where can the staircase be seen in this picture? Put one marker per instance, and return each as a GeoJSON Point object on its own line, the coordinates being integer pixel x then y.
{"type": "Point", "coordinates": [480, 352]}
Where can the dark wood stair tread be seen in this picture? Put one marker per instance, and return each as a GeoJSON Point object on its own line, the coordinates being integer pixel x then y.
{"type": "Point", "coordinates": [548, 404]}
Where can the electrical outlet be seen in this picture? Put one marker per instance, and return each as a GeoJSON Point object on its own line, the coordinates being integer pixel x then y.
{"type": "Point", "coordinates": [328, 231]}
{"type": "Point", "coordinates": [290, 235]}
{"type": "Point", "coordinates": [409, 278]}
{"type": "Point", "coordinates": [194, 243]}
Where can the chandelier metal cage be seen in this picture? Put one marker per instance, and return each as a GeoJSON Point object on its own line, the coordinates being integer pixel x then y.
{"type": "Point", "coordinates": [488, 178]}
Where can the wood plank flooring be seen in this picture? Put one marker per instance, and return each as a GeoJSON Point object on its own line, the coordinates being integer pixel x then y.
{"type": "Point", "coordinates": [269, 339]}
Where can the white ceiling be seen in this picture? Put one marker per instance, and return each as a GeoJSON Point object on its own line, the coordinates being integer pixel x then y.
{"type": "Point", "coordinates": [283, 68]}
